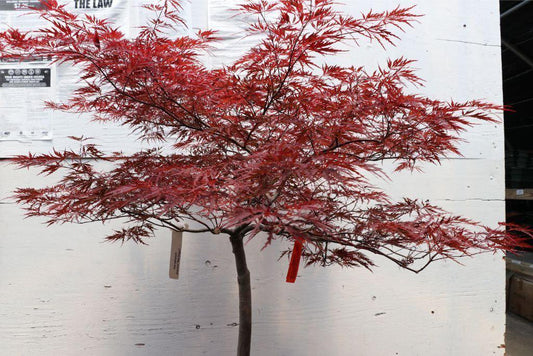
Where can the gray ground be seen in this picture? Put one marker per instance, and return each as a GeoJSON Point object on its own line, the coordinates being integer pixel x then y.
{"type": "Point", "coordinates": [519, 336]}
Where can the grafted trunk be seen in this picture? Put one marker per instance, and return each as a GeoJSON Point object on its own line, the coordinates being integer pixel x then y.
{"type": "Point", "coordinates": [245, 295]}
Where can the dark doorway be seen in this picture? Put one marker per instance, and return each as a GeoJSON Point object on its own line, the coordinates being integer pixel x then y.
{"type": "Point", "coordinates": [517, 61]}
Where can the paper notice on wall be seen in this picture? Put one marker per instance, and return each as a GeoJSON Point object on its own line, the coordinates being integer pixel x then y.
{"type": "Point", "coordinates": [23, 90]}
{"type": "Point", "coordinates": [193, 13]}
{"type": "Point", "coordinates": [231, 27]}
{"type": "Point", "coordinates": [117, 12]}
{"type": "Point", "coordinates": [16, 14]}
{"type": "Point", "coordinates": [93, 4]}
{"type": "Point", "coordinates": [25, 78]}
{"type": "Point", "coordinates": [16, 5]}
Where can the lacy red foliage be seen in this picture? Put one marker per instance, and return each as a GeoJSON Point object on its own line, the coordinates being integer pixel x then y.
{"type": "Point", "coordinates": [272, 143]}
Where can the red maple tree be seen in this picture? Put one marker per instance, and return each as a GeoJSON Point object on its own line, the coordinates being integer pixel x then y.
{"type": "Point", "coordinates": [274, 143]}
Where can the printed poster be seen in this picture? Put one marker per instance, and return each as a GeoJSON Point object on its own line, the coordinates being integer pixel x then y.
{"type": "Point", "coordinates": [19, 5]}
{"type": "Point", "coordinates": [24, 87]}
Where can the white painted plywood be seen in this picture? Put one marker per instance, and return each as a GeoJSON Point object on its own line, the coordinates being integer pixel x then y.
{"type": "Point", "coordinates": [62, 291]}
{"type": "Point", "coordinates": [53, 294]}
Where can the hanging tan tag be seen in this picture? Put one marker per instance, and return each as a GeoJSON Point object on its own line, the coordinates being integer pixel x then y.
{"type": "Point", "coordinates": [175, 255]}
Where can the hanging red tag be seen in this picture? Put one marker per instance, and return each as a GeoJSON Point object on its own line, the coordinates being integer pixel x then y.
{"type": "Point", "coordinates": [294, 264]}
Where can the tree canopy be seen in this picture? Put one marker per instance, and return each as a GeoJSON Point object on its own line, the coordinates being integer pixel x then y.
{"type": "Point", "coordinates": [276, 142]}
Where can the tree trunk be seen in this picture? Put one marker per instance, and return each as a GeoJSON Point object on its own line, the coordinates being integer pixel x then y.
{"type": "Point", "coordinates": [245, 295]}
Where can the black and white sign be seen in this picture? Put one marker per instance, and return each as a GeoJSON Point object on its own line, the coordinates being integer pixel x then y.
{"type": "Point", "coordinates": [14, 5]}
{"type": "Point", "coordinates": [25, 77]}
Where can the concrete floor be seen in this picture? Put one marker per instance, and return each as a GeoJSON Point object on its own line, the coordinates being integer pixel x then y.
{"type": "Point", "coordinates": [518, 336]}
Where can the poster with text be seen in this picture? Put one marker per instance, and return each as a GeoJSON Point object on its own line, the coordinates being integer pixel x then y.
{"type": "Point", "coordinates": [23, 90]}
{"type": "Point", "coordinates": [116, 11]}
{"type": "Point", "coordinates": [16, 14]}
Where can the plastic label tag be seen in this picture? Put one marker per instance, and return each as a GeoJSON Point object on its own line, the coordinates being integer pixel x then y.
{"type": "Point", "coordinates": [175, 255]}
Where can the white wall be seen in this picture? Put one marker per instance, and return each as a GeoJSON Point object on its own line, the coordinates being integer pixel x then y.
{"type": "Point", "coordinates": [53, 295]}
